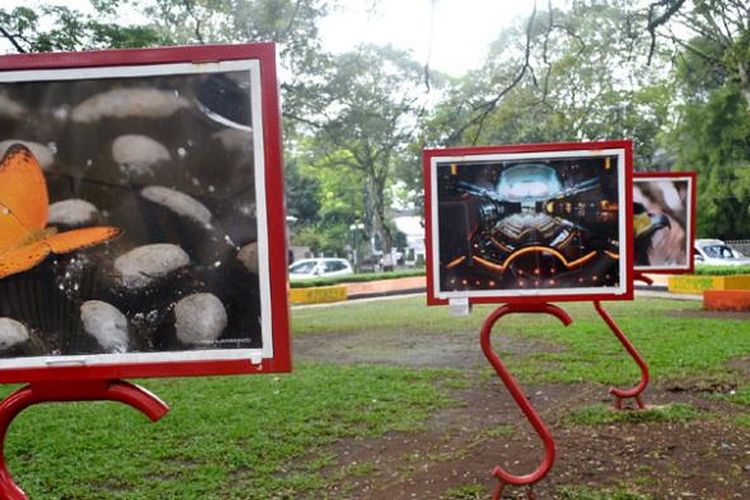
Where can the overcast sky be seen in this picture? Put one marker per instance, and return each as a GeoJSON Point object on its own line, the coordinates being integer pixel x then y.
{"type": "Point", "coordinates": [453, 34]}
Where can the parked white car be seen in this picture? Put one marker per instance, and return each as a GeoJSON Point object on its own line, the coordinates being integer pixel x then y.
{"type": "Point", "coordinates": [319, 268]}
{"type": "Point", "coordinates": [717, 253]}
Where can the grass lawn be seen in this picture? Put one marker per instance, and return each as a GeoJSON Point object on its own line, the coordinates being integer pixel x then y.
{"type": "Point", "coordinates": [231, 437]}
{"type": "Point", "coordinates": [676, 342]}
{"type": "Point", "coordinates": [270, 436]}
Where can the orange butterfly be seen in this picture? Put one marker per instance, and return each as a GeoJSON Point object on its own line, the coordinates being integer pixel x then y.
{"type": "Point", "coordinates": [24, 239]}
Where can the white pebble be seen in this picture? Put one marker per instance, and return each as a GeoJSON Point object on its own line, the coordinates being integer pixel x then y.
{"type": "Point", "coordinates": [199, 319]}
{"type": "Point", "coordinates": [106, 324]}
{"type": "Point", "coordinates": [146, 264]}
{"type": "Point", "coordinates": [12, 333]}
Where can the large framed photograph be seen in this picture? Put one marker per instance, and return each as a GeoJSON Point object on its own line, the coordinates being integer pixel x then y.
{"type": "Point", "coordinates": [142, 228]}
{"type": "Point", "coordinates": [529, 223]}
{"type": "Point", "coordinates": [664, 221]}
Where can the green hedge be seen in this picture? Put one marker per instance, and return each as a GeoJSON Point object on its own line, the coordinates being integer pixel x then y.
{"type": "Point", "coordinates": [357, 278]}
{"type": "Point", "coordinates": [721, 270]}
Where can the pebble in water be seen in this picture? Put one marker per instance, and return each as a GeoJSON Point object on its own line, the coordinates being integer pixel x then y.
{"type": "Point", "coordinates": [73, 213]}
{"type": "Point", "coordinates": [179, 203]}
{"type": "Point", "coordinates": [12, 109]}
{"type": "Point", "coordinates": [126, 103]}
{"type": "Point", "coordinates": [139, 154]}
{"type": "Point", "coordinates": [106, 324]}
{"type": "Point", "coordinates": [12, 333]}
{"type": "Point", "coordinates": [248, 256]}
{"type": "Point", "coordinates": [43, 154]}
{"type": "Point", "coordinates": [146, 264]}
{"type": "Point", "coordinates": [199, 319]}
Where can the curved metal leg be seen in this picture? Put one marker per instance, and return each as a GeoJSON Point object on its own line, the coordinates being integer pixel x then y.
{"type": "Point", "coordinates": [642, 277]}
{"type": "Point", "coordinates": [515, 390]}
{"type": "Point", "coordinates": [91, 390]}
{"type": "Point", "coordinates": [634, 392]}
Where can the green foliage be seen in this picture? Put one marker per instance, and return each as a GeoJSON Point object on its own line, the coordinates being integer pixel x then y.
{"type": "Point", "coordinates": [585, 79]}
{"type": "Point", "coordinates": [367, 117]}
{"type": "Point", "coordinates": [714, 139]}
{"type": "Point", "coordinates": [302, 193]}
{"type": "Point", "coordinates": [231, 437]}
{"type": "Point", "coordinates": [600, 414]}
{"type": "Point", "coordinates": [59, 28]}
{"type": "Point", "coordinates": [356, 278]}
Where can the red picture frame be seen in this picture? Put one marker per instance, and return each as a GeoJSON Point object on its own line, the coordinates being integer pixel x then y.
{"type": "Point", "coordinates": [433, 157]}
{"type": "Point", "coordinates": [275, 354]}
{"type": "Point", "coordinates": [690, 228]}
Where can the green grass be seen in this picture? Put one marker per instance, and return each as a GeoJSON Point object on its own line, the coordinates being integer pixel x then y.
{"type": "Point", "coordinates": [674, 341]}
{"type": "Point", "coordinates": [233, 437]}
{"type": "Point", "coordinates": [741, 396]}
{"type": "Point", "coordinates": [588, 493]}
{"type": "Point", "coordinates": [600, 414]}
{"type": "Point", "coordinates": [702, 270]}
{"type": "Point", "coordinates": [270, 436]}
{"type": "Point", "coordinates": [356, 278]}
{"type": "Point", "coordinates": [467, 492]}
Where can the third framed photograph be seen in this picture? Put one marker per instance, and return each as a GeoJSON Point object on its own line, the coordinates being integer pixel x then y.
{"type": "Point", "coordinates": [664, 221]}
{"type": "Point", "coordinates": [529, 223]}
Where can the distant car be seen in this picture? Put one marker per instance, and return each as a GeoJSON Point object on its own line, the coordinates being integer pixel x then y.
{"type": "Point", "coordinates": [319, 268]}
{"type": "Point", "coordinates": [717, 253]}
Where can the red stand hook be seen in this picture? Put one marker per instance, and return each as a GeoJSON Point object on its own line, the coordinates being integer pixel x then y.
{"type": "Point", "coordinates": [72, 390]}
{"type": "Point", "coordinates": [523, 403]}
{"type": "Point", "coordinates": [634, 392]}
{"type": "Point", "coordinates": [638, 276]}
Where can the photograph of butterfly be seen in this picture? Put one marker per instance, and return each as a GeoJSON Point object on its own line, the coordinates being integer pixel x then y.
{"type": "Point", "coordinates": [129, 213]}
{"type": "Point", "coordinates": [25, 239]}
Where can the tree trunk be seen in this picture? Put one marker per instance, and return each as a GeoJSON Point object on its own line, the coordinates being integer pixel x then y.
{"type": "Point", "coordinates": [744, 83]}
{"type": "Point", "coordinates": [379, 230]}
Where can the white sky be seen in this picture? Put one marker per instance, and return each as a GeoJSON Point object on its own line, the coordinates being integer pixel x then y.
{"type": "Point", "coordinates": [458, 32]}
{"type": "Point", "coordinates": [454, 35]}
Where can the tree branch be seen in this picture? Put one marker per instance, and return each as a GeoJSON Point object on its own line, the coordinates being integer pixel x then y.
{"type": "Point", "coordinates": [12, 40]}
{"type": "Point", "coordinates": [189, 7]}
{"type": "Point", "coordinates": [490, 105]}
{"type": "Point", "coordinates": [673, 6]}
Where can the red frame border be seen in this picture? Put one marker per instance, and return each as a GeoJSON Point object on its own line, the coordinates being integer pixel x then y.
{"type": "Point", "coordinates": [429, 154]}
{"type": "Point", "coordinates": [265, 54]}
{"type": "Point", "coordinates": [693, 176]}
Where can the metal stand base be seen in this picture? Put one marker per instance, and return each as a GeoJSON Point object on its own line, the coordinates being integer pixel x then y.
{"type": "Point", "coordinates": [523, 403]}
{"type": "Point", "coordinates": [75, 390]}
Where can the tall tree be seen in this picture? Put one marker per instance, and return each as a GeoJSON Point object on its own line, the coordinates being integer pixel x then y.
{"type": "Point", "coordinates": [723, 25]}
{"type": "Point", "coordinates": [59, 28]}
{"type": "Point", "coordinates": [575, 75]}
{"type": "Point", "coordinates": [368, 115]}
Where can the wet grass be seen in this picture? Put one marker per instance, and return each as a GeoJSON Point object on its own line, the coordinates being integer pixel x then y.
{"type": "Point", "coordinates": [600, 414]}
{"type": "Point", "coordinates": [675, 340]}
{"type": "Point", "coordinates": [269, 436]}
{"type": "Point", "coordinates": [588, 493]}
{"type": "Point", "coordinates": [234, 437]}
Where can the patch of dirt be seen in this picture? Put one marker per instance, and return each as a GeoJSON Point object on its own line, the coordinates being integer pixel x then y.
{"type": "Point", "coordinates": [415, 349]}
{"type": "Point", "coordinates": [704, 458]}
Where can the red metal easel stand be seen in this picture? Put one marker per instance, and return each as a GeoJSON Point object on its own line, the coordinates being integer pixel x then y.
{"type": "Point", "coordinates": [71, 390]}
{"type": "Point", "coordinates": [635, 391]}
{"type": "Point", "coordinates": [528, 410]}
